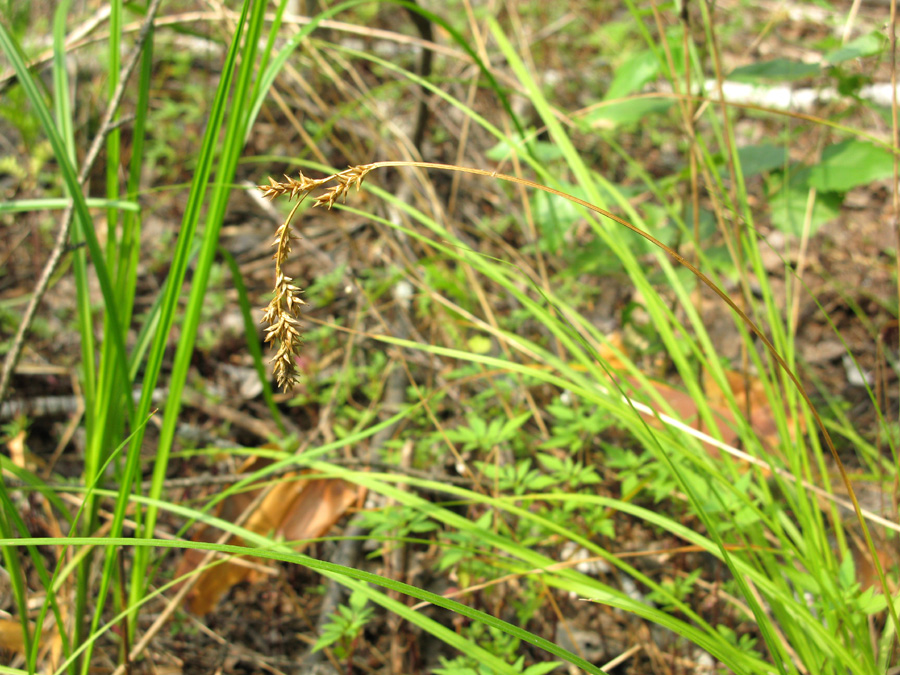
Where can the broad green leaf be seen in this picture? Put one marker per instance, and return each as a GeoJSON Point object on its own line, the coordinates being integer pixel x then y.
{"type": "Point", "coordinates": [849, 164]}
{"type": "Point", "coordinates": [788, 209]}
{"type": "Point", "coordinates": [756, 159]}
{"type": "Point", "coordinates": [632, 75]}
{"type": "Point", "coordinates": [479, 344]}
{"type": "Point", "coordinates": [871, 602]}
{"type": "Point", "coordinates": [628, 111]}
{"type": "Point", "coordinates": [776, 69]}
{"type": "Point", "coordinates": [864, 45]}
{"type": "Point", "coordinates": [541, 150]}
{"type": "Point", "coordinates": [555, 216]}
{"type": "Point", "coordinates": [542, 668]}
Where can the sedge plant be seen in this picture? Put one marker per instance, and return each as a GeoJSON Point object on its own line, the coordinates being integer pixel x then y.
{"type": "Point", "coordinates": [765, 514]}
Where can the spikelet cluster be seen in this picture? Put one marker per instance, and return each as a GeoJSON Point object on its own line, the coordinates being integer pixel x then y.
{"type": "Point", "coordinates": [282, 315]}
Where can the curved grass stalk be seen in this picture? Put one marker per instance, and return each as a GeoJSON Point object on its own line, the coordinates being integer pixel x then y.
{"type": "Point", "coordinates": [341, 183]}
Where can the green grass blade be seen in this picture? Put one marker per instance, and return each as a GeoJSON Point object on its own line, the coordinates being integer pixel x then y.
{"type": "Point", "coordinates": [235, 132]}
{"type": "Point", "coordinates": [57, 204]}
{"type": "Point", "coordinates": [12, 566]}
{"type": "Point", "coordinates": [169, 304]}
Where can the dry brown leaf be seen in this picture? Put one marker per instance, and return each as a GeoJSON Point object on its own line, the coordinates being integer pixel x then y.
{"type": "Point", "coordinates": [749, 388]}
{"type": "Point", "coordinates": [866, 574]}
{"type": "Point", "coordinates": [685, 409]}
{"type": "Point", "coordinates": [744, 388]}
{"type": "Point", "coordinates": [16, 446]}
{"type": "Point", "coordinates": [293, 510]}
{"type": "Point", "coordinates": [11, 638]}
{"type": "Point", "coordinates": [608, 352]}
{"type": "Point", "coordinates": [318, 507]}
{"type": "Point", "coordinates": [762, 421]}
{"type": "Point", "coordinates": [213, 583]}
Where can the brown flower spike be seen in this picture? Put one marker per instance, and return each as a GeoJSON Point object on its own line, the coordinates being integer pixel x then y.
{"type": "Point", "coordinates": [282, 315]}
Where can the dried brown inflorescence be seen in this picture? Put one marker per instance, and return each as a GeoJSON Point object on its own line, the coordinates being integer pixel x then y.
{"type": "Point", "coordinates": [282, 315]}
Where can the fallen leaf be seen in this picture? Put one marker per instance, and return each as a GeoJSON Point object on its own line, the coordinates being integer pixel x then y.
{"type": "Point", "coordinates": [318, 507]}
{"type": "Point", "coordinates": [11, 638]}
{"type": "Point", "coordinates": [762, 420]}
{"type": "Point", "coordinates": [294, 509]}
{"type": "Point", "coordinates": [16, 446]}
